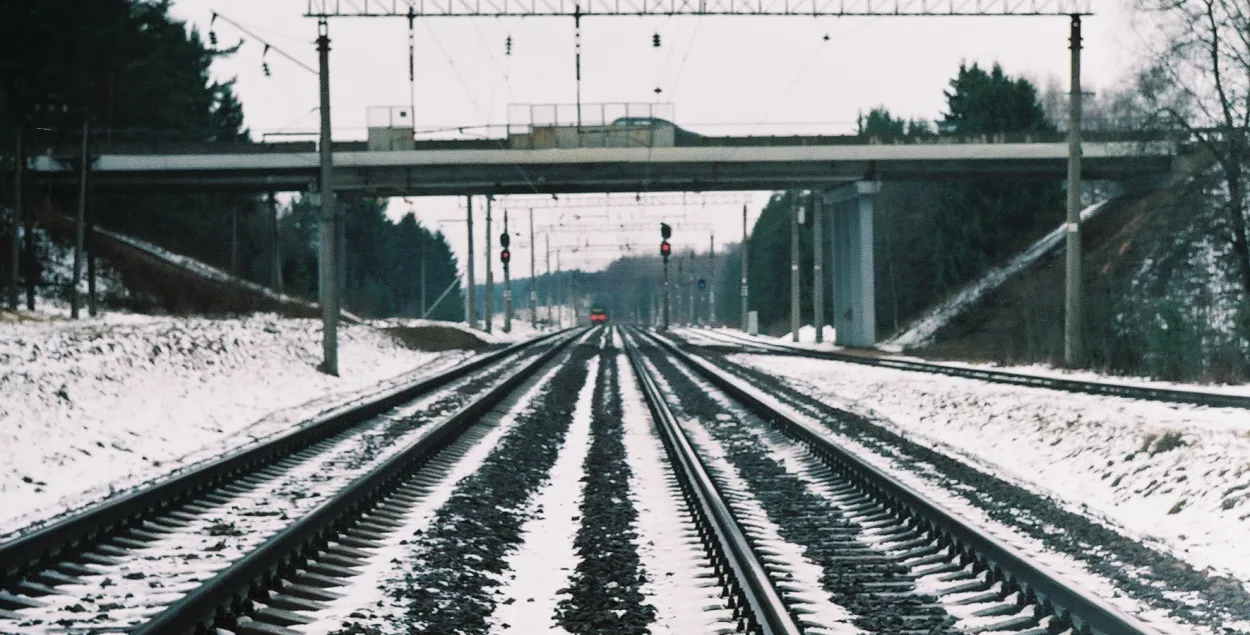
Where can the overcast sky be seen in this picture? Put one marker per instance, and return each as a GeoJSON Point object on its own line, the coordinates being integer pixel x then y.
{"type": "Point", "coordinates": [721, 75]}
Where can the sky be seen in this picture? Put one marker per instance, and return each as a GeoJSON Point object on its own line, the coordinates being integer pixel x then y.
{"type": "Point", "coordinates": [717, 75]}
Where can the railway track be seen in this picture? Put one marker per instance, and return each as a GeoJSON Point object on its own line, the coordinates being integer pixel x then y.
{"type": "Point", "coordinates": [896, 561]}
{"type": "Point", "coordinates": [797, 535]}
{"type": "Point", "coordinates": [1215, 400]}
{"type": "Point", "coordinates": [111, 567]}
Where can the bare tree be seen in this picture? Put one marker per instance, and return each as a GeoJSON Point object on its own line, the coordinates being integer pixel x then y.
{"type": "Point", "coordinates": [1199, 81]}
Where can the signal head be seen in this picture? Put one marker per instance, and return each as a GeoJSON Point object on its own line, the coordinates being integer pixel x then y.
{"type": "Point", "coordinates": [504, 240]}
{"type": "Point", "coordinates": [505, 256]}
{"type": "Point", "coordinates": [666, 232]}
{"type": "Point", "coordinates": [666, 249]}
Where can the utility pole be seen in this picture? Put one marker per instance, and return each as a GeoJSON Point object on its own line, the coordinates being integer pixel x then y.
{"type": "Point", "coordinates": [506, 255]}
{"type": "Point", "coordinates": [275, 250]}
{"type": "Point", "coordinates": [329, 217]}
{"type": "Point", "coordinates": [681, 289]}
{"type": "Point", "coordinates": [533, 275]}
{"type": "Point", "coordinates": [80, 224]}
{"type": "Point", "coordinates": [693, 316]}
{"type": "Point", "coordinates": [818, 257]}
{"type": "Point", "coordinates": [550, 281]}
{"type": "Point", "coordinates": [559, 301]}
{"type": "Point", "coordinates": [711, 281]}
{"type": "Point", "coordinates": [488, 306]}
{"type": "Point", "coordinates": [470, 308]}
{"type": "Point", "coordinates": [19, 177]}
{"type": "Point", "coordinates": [1073, 353]}
{"type": "Point", "coordinates": [421, 247]}
{"type": "Point", "coordinates": [795, 318]}
{"type": "Point", "coordinates": [234, 240]}
{"type": "Point", "coordinates": [745, 254]}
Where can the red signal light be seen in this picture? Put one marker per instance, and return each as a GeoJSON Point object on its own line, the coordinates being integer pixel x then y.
{"type": "Point", "coordinates": [666, 249]}
{"type": "Point", "coordinates": [505, 256]}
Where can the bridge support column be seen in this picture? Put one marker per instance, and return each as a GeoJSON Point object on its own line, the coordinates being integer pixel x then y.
{"type": "Point", "coordinates": [854, 290]}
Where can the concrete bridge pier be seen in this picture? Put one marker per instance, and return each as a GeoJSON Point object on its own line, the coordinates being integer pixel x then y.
{"type": "Point", "coordinates": [854, 291]}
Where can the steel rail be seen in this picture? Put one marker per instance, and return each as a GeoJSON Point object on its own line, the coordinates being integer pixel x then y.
{"type": "Point", "coordinates": [34, 550]}
{"type": "Point", "coordinates": [765, 613]}
{"type": "Point", "coordinates": [1043, 588]}
{"type": "Point", "coordinates": [228, 595]}
{"type": "Point", "coordinates": [1168, 395]}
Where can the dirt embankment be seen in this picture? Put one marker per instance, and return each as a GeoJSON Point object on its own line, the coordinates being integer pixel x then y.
{"type": "Point", "coordinates": [435, 338]}
{"type": "Point", "coordinates": [1022, 321]}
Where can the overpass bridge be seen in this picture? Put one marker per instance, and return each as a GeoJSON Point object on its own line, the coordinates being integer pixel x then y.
{"type": "Point", "coordinates": [441, 168]}
{"type": "Point", "coordinates": [847, 170]}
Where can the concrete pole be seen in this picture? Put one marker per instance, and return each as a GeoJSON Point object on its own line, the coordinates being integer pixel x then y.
{"type": "Point", "coordinates": [818, 257]}
{"type": "Point", "coordinates": [550, 280]}
{"type": "Point", "coordinates": [745, 257]}
{"type": "Point", "coordinates": [533, 275]}
{"type": "Point", "coordinates": [275, 246]}
{"type": "Point", "coordinates": [1073, 353]}
{"type": "Point", "coordinates": [80, 223]}
{"type": "Point", "coordinates": [234, 240]}
{"type": "Point", "coordinates": [488, 304]}
{"type": "Point", "coordinates": [19, 177]}
{"type": "Point", "coordinates": [664, 313]}
{"type": "Point", "coordinates": [692, 318]}
{"type": "Point", "coordinates": [329, 225]}
{"type": "Point", "coordinates": [711, 281]}
{"type": "Point", "coordinates": [795, 319]}
{"type": "Point", "coordinates": [470, 296]}
{"type": "Point", "coordinates": [421, 247]}
{"type": "Point", "coordinates": [507, 285]}
{"type": "Point", "coordinates": [559, 303]}
{"type": "Point", "coordinates": [681, 289]}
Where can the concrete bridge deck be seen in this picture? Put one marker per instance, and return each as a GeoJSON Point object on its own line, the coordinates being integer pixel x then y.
{"type": "Point", "coordinates": [475, 167]}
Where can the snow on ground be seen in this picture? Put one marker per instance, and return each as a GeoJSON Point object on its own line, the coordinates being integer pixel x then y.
{"type": "Point", "coordinates": [91, 407]}
{"type": "Point", "coordinates": [922, 330]}
{"type": "Point", "coordinates": [807, 335]}
{"type": "Point", "coordinates": [1175, 475]}
{"type": "Point", "coordinates": [541, 567]}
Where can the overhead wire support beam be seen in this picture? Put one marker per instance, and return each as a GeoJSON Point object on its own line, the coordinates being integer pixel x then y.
{"type": "Point", "coordinates": [588, 8]}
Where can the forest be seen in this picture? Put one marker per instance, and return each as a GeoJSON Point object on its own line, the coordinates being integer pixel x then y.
{"type": "Point", "coordinates": [61, 62]}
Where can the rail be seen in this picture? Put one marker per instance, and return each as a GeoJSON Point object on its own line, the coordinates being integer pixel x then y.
{"type": "Point", "coordinates": [767, 612]}
{"type": "Point", "coordinates": [29, 551]}
{"type": "Point", "coordinates": [1150, 393]}
{"type": "Point", "coordinates": [228, 594]}
{"type": "Point", "coordinates": [1086, 613]}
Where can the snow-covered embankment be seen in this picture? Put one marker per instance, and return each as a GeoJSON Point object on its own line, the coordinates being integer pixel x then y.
{"type": "Point", "coordinates": [89, 408]}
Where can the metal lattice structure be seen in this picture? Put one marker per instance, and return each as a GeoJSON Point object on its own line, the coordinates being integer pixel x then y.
{"type": "Point", "coordinates": [621, 201]}
{"type": "Point", "coordinates": [323, 9]}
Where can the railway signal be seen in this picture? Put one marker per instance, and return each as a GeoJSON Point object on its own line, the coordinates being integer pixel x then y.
{"type": "Point", "coordinates": [666, 250]}
{"type": "Point", "coordinates": [504, 257]}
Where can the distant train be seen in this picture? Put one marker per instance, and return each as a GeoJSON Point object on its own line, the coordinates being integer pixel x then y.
{"type": "Point", "coordinates": [598, 315]}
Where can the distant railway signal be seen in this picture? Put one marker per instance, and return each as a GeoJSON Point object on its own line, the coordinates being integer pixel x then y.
{"type": "Point", "coordinates": [505, 256]}
{"type": "Point", "coordinates": [702, 284]}
{"type": "Point", "coordinates": [666, 249]}
{"type": "Point", "coordinates": [666, 232]}
{"type": "Point", "coordinates": [504, 240]}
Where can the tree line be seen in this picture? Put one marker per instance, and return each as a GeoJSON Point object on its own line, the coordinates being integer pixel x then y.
{"type": "Point", "coordinates": [141, 76]}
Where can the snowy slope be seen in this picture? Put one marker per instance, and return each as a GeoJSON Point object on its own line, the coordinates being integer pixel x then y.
{"type": "Point", "coordinates": [1176, 475]}
{"type": "Point", "coordinates": [93, 406]}
{"type": "Point", "coordinates": [922, 330]}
